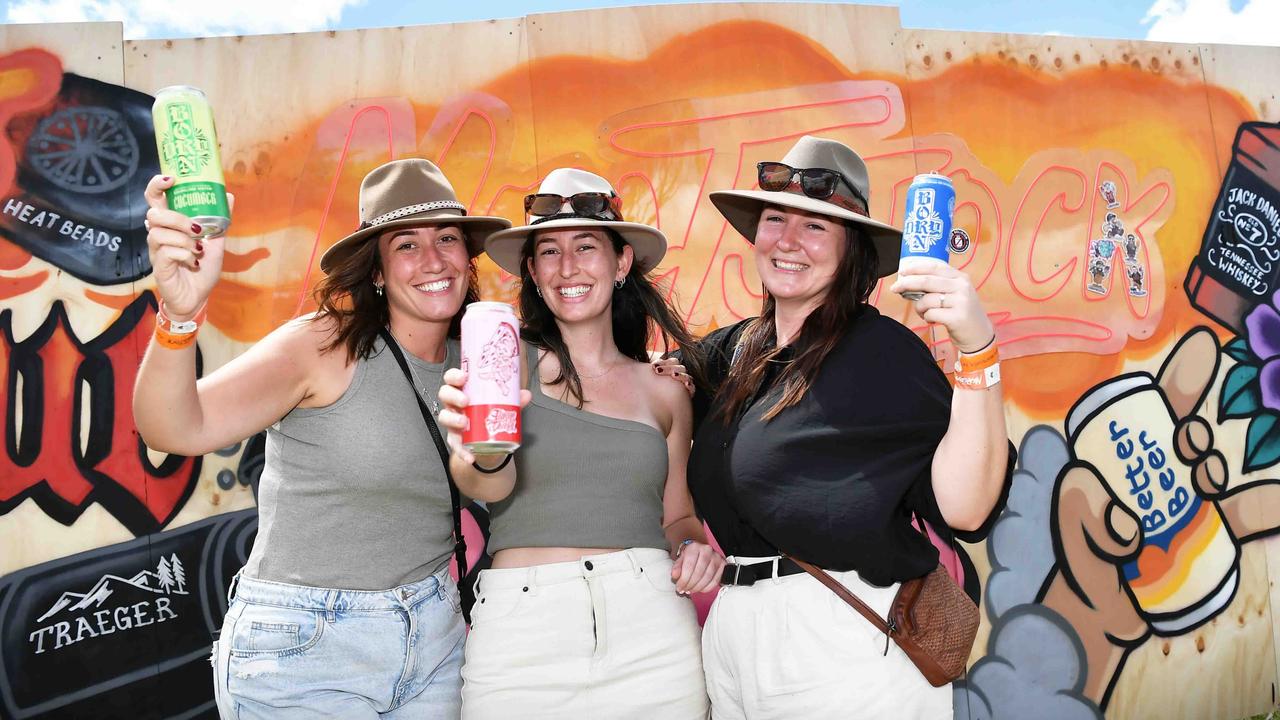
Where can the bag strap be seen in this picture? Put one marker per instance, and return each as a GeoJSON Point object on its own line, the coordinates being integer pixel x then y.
{"type": "Point", "coordinates": [846, 595]}
{"type": "Point", "coordinates": [459, 541]}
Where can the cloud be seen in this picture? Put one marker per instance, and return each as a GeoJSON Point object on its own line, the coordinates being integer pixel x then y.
{"type": "Point", "coordinates": [1020, 546]}
{"type": "Point", "coordinates": [1213, 21]}
{"type": "Point", "coordinates": [181, 18]}
{"type": "Point", "coordinates": [1035, 668]}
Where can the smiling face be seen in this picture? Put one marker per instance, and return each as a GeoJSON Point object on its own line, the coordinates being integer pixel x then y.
{"type": "Point", "coordinates": [425, 270]}
{"type": "Point", "coordinates": [575, 269]}
{"type": "Point", "coordinates": [798, 254]}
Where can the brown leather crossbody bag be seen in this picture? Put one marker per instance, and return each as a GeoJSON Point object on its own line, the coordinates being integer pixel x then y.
{"type": "Point", "coordinates": [931, 619]}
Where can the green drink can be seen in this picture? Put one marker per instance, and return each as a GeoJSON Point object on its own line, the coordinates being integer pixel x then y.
{"type": "Point", "coordinates": [188, 146]}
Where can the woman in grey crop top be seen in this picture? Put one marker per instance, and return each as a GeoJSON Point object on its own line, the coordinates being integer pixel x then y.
{"type": "Point", "coordinates": [350, 565]}
{"type": "Point", "coordinates": [583, 614]}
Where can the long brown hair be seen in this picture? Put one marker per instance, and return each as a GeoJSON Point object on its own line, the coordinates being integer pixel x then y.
{"type": "Point", "coordinates": [639, 310]}
{"type": "Point", "coordinates": [854, 280]}
{"type": "Point", "coordinates": [347, 295]}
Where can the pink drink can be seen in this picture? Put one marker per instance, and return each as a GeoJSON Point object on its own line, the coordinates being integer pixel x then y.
{"type": "Point", "coordinates": [491, 359]}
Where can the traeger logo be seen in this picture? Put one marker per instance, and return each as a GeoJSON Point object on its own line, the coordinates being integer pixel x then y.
{"type": "Point", "coordinates": [135, 602]}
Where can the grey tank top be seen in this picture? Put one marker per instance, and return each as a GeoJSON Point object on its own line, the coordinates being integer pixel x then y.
{"type": "Point", "coordinates": [583, 480]}
{"type": "Point", "coordinates": [353, 495]}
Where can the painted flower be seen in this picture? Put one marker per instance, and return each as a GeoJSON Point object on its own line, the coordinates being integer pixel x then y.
{"type": "Point", "coordinates": [1262, 326]}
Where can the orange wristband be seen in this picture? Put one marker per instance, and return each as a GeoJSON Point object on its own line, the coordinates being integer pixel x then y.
{"type": "Point", "coordinates": [177, 335]}
{"type": "Point", "coordinates": [980, 370]}
{"type": "Point", "coordinates": [979, 379]}
{"type": "Point", "coordinates": [984, 358]}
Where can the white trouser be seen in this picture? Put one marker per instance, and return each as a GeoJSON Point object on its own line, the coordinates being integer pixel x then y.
{"type": "Point", "coordinates": [602, 637]}
{"type": "Point", "coordinates": [790, 648]}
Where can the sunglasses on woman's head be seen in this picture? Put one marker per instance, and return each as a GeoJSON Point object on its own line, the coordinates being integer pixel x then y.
{"type": "Point", "coordinates": [817, 183]}
{"type": "Point", "coordinates": [593, 205]}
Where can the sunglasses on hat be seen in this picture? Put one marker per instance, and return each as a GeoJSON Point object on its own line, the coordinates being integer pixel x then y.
{"type": "Point", "coordinates": [817, 183]}
{"type": "Point", "coordinates": [592, 205]}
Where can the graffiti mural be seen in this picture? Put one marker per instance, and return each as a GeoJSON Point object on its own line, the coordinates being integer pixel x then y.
{"type": "Point", "coordinates": [1134, 291]}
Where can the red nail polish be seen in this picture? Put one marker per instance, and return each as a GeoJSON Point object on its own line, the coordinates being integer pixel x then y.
{"type": "Point", "coordinates": [166, 178]}
{"type": "Point", "coordinates": [195, 227]}
{"type": "Point", "coordinates": [199, 247]}
{"type": "Point", "coordinates": [197, 263]}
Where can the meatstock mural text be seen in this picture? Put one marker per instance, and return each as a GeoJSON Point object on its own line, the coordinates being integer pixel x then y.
{"type": "Point", "coordinates": [1134, 292]}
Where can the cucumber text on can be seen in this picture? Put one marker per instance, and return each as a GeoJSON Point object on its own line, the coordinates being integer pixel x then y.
{"type": "Point", "coordinates": [187, 142]}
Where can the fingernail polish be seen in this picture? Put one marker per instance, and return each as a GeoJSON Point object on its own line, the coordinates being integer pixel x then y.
{"type": "Point", "coordinates": [166, 178]}
{"type": "Point", "coordinates": [199, 247]}
{"type": "Point", "coordinates": [195, 227]}
{"type": "Point", "coordinates": [197, 263]}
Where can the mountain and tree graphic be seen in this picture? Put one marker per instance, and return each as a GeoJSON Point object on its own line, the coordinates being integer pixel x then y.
{"type": "Point", "coordinates": [169, 578]}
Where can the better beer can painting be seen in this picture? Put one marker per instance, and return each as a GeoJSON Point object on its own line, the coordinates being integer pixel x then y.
{"type": "Point", "coordinates": [491, 359]}
{"type": "Point", "coordinates": [926, 225]}
{"type": "Point", "coordinates": [1187, 568]}
{"type": "Point", "coordinates": [188, 147]}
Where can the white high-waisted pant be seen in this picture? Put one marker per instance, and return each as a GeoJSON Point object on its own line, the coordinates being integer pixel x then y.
{"type": "Point", "coordinates": [602, 637]}
{"type": "Point", "coordinates": [790, 648]}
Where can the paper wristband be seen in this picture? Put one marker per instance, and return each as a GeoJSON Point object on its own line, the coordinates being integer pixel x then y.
{"type": "Point", "coordinates": [177, 335]}
{"type": "Point", "coordinates": [980, 379]}
{"type": "Point", "coordinates": [978, 360]}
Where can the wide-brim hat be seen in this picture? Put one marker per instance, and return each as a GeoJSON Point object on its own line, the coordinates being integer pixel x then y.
{"type": "Point", "coordinates": [648, 244]}
{"type": "Point", "coordinates": [410, 193]}
{"type": "Point", "coordinates": [742, 207]}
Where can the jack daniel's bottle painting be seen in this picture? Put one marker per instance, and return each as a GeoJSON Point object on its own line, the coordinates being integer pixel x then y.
{"type": "Point", "coordinates": [1238, 266]}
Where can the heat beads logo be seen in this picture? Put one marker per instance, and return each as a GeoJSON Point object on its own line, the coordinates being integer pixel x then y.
{"type": "Point", "coordinates": [923, 227]}
{"type": "Point", "coordinates": [499, 358]}
{"type": "Point", "coordinates": [184, 147]}
{"type": "Point", "coordinates": [500, 421]}
{"type": "Point", "coordinates": [114, 604]}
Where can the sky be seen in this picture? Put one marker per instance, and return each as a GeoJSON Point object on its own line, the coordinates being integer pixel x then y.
{"type": "Point", "coordinates": [1250, 22]}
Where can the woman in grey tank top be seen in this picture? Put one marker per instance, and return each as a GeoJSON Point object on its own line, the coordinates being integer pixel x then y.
{"type": "Point", "coordinates": [345, 607]}
{"type": "Point", "coordinates": [583, 614]}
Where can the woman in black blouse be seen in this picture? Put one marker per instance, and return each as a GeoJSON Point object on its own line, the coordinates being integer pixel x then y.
{"type": "Point", "coordinates": [832, 427]}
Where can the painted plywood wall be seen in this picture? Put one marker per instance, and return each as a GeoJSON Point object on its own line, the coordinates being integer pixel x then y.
{"type": "Point", "coordinates": [1088, 173]}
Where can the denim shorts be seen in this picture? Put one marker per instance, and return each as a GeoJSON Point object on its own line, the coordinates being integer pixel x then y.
{"type": "Point", "coordinates": [289, 651]}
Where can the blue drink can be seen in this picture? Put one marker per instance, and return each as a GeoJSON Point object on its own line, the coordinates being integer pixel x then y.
{"type": "Point", "coordinates": [926, 226]}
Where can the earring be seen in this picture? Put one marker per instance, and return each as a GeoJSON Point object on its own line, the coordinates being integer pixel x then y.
{"type": "Point", "coordinates": [538, 289]}
{"type": "Point", "coordinates": [378, 289]}
{"type": "Point", "coordinates": [619, 283]}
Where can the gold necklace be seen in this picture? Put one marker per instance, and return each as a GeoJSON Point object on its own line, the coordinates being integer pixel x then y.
{"type": "Point", "coordinates": [606, 371]}
{"type": "Point", "coordinates": [424, 392]}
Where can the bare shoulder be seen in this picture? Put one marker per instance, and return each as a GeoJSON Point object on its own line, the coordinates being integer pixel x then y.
{"type": "Point", "coordinates": [301, 339]}
{"type": "Point", "coordinates": [668, 394]}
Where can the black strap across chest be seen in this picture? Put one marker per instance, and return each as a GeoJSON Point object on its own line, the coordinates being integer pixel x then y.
{"type": "Point", "coordinates": [455, 498]}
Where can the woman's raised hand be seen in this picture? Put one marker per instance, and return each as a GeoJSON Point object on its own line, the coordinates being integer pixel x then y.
{"type": "Point", "coordinates": [185, 266]}
{"type": "Point", "coordinates": [453, 411]}
{"type": "Point", "coordinates": [949, 299]}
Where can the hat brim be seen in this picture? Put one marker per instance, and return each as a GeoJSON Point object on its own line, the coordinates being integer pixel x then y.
{"type": "Point", "coordinates": [648, 244]}
{"type": "Point", "coordinates": [742, 209]}
{"type": "Point", "coordinates": [478, 228]}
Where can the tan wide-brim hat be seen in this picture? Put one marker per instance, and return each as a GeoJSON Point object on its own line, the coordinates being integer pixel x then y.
{"type": "Point", "coordinates": [742, 208]}
{"type": "Point", "coordinates": [411, 193]}
{"type": "Point", "coordinates": [648, 244]}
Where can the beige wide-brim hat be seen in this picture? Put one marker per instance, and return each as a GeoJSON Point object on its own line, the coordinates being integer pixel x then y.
{"type": "Point", "coordinates": [648, 244]}
{"type": "Point", "coordinates": [742, 208]}
{"type": "Point", "coordinates": [410, 193]}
